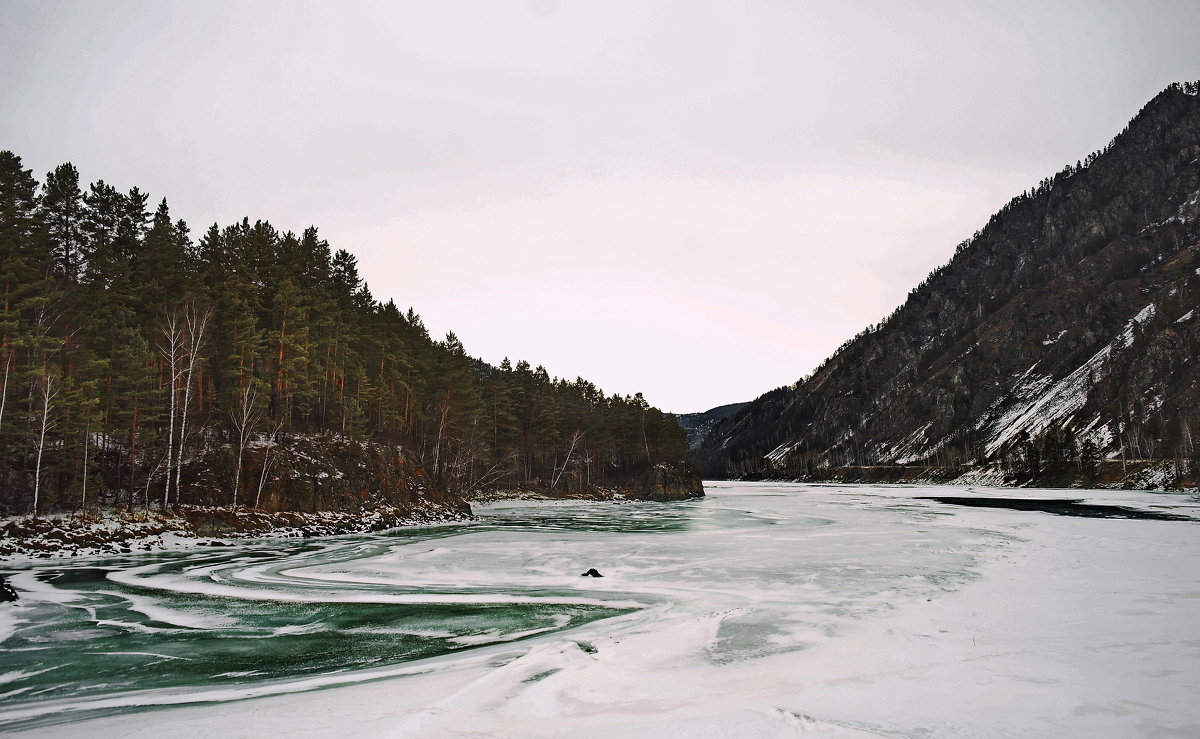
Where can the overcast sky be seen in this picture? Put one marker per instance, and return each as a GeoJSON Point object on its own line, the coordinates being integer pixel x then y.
{"type": "Point", "coordinates": [695, 200]}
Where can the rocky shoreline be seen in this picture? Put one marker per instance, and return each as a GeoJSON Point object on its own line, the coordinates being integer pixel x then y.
{"type": "Point", "coordinates": [114, 531]}
{"type": "Point", "coordinates": [662, 483]}
{"type": "Point", "coordinates": [118, 531]}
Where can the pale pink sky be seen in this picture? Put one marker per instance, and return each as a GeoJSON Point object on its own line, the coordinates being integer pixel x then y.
{"type": "Point", "coordinates": [695, 200]}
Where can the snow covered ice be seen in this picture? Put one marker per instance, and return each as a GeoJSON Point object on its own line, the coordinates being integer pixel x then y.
{"type": "Point", "coordinates": [762, 610]}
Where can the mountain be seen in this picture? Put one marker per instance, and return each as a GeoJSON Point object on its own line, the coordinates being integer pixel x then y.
{"type": "Point", "coordinates": [698, 425]}
{"type": "Point", "coordinates": [1059, 345]}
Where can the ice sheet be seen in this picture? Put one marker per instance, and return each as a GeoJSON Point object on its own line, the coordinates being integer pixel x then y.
{"type": "Point", "coordinates": [764, 610]}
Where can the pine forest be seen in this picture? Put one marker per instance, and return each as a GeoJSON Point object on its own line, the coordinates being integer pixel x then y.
{"type": "Point", "coordinates": [147, 366]}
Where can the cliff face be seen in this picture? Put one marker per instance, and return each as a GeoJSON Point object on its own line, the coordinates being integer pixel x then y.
{"type": "Point", "coordinates": [1063, 333]}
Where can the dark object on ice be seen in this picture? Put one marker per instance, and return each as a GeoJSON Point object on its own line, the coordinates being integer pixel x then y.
{"type": "Point", "coordinates": [1061, 507]}
{"type": "Point", "coordinates": [8, 595]}
{"type": "Point", "coordinates": [591, 573]}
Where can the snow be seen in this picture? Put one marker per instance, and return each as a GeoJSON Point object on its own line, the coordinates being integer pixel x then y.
{"type": "Point", "coordinates": [75, 535]}
{"type": "Point", "coordinates": [779, 453]}
{"type": "Point", "coordinates": [1041, 402]}
{"type": "Point", "coordinates": [1054, 340]}
{"type": "Point", "coordinates": [8, 623]}
{"type": "Point", "coordinates": [1154, 477]}
{"type": "Point", "coordinates": [988, 475]}
{"type": "Point", "coordinates": [911, 449]}
{"type": "Point", "coordinates": [1098, 433]}
{"type": "Point", "coordinates": [501, 504]}
{"type": "Point", "coordinates": [764, 610]}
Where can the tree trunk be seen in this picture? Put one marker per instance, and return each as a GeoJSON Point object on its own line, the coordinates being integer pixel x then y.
{"type": "Point", "coordinates": [48, 393]}
{"type": "Point", "coordinates": [83, 497]}
{"type": "Point", "coordinates": [196, 324]}
{"type": "Point", "coordinates": [171, 330]}
{"type": "Point", "coordinates": [243, 422]}
{"type": "Point", "coordinates": [133, 425]}
{"type": "Point", "coordinates": [4, 387]}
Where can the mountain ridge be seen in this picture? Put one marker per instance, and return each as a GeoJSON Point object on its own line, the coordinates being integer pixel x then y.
{"type": "Point", "coordinates": [1064, 323]}
{"type": "Point", "coordinates": [698, 425]}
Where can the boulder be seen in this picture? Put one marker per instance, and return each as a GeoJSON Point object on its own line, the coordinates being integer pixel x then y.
{"type": "Point", "coordinates": [8, 595]}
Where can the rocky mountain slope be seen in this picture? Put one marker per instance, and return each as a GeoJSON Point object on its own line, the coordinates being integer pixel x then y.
{"type": "Point", "coordinates": [1059, 342]}
{"type": "Point", "coordinates": [698, 425]}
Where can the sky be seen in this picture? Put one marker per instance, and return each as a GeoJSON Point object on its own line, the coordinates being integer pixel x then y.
{"type": "Point", "coordinates": [695, 200]}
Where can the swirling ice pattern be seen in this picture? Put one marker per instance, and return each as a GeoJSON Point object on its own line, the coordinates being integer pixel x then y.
{"type": "Point", "coordinates": [118, 633]}
{"type": "Point", "coordinates": [124, 633]}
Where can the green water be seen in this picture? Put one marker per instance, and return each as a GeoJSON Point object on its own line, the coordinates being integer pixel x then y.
{"type": "Point", "coordinates": [191, 622]}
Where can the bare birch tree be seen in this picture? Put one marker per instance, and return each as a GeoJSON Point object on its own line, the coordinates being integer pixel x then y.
{"type": "Point", "coordinates": [83, 496]}
{"type": "Point", "coordinates": [268, 460]}
{"type": "Point", "coordinates": [173, 336]}
{"type": "Point", "coordinates": [244, 418]}
{"type": "Point", "coordinates": [576, 437]}
{"type": "Point", "coordinates": [47, 392]}
{"type": "Point", "coordinates": [4, 386]}
{"type": "Point", "coordinates": [197, 322]}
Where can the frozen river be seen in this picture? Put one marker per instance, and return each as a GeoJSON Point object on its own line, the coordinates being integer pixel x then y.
{"type": "Point", "coordinates": [761, 610]}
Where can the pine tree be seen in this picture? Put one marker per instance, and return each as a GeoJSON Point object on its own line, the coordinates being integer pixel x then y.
{"type": "Point", "coordinates": [162, 267]}
{"type": "Point", "coordinates": [124, 349]}
{"type": "Point", "coordinates": [62, 211]}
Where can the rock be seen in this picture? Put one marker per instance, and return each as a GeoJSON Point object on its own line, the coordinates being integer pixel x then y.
{"type": "Point", "coordinates": [8, 595]}
{"type": "Point", "coordinates": [668, 482]}
{"type": "Point", "coordinates": [591, 573]}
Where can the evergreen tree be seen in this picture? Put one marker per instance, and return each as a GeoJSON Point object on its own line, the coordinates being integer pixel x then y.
{"type": "Point", "coordinates": [62, 211]}
{"type": "Point", "coordinates": [130, 356]}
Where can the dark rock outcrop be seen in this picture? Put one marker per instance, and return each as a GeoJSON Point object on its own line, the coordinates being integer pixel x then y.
{"type": "Point", "coordinates": [9, 595]}
{"type": "Point", "coordinates": [666, 482]}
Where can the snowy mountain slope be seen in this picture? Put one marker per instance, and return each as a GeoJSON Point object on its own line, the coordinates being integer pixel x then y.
{"type": "Point", "coordinates": [1064, 329]}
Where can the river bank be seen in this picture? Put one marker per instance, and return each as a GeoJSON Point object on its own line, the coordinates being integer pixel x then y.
{"type": "Point", "coordinates": [118, 531]}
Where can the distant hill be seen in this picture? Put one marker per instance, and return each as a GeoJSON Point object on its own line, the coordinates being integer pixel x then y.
{"type": "Point", "coordinates": [1059, 345]}
{"type": "Point", "coordinates": [698, 425]}
{"type": "Point", "coordinates": [142, 367]}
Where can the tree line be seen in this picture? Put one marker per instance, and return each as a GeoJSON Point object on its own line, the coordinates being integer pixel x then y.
{"type": "Point", "coordinates": [131, 352]}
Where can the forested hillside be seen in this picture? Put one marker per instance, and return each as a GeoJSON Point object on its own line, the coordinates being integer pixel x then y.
{"type": "Point", "coordinates": [144, 366]}
{"type": "Point", "coordinates": [698, 425]}
{"type": "Point", "coordinates": [1058, 346]}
